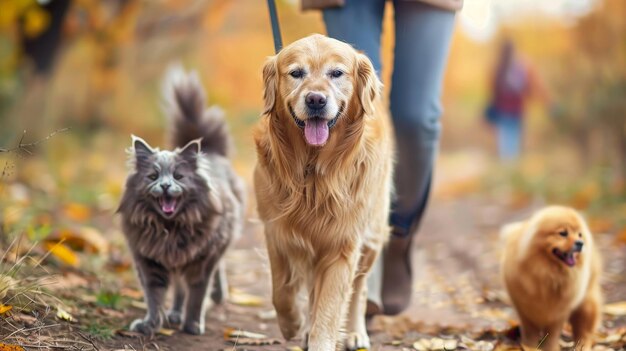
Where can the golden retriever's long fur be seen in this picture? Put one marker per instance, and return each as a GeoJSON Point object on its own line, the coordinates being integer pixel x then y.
{"type": "Point", "coordinates": [551, 270]}
{"type": "Point", "coordinates": [325, 208]}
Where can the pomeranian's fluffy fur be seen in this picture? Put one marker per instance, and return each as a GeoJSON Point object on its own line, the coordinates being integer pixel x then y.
{"type": "Point", "coordinates": [181, 209]}
{"type": "Point", "coordinates": [323, 185]}
{"type": "Point", "coordinates": [551, 270]}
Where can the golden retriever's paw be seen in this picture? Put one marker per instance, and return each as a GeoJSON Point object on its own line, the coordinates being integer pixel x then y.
{"type": "Point", "coordinates": [289, 328]}
{"type": "Point", "coordinates": [357, 341]}
{"type": "Point", "coordinates": [145, 326]}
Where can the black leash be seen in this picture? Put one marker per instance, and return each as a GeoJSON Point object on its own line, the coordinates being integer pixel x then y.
{"type": "Point", "coordinates": [278, 39]}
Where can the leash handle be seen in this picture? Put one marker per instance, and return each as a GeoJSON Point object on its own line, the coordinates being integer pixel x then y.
{"type": "Point", "coordinates": [278, 39]}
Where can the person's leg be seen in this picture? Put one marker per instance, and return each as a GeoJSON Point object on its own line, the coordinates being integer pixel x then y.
{"type": "Point", "coordinates": [509, 137]}
{"type": "Point", "coordinates": [359, 23]}
{"type": "Point", "coordinates": [423, 35]}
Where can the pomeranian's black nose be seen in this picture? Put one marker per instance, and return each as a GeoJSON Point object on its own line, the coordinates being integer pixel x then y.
{"type": "Point", "coordinates": [578, 245]}
{"type": "Point", "coordinates": [315, 101]}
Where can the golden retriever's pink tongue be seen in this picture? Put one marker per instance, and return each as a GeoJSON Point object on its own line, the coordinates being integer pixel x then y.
{"type": "Point", "coordinates": [316, 131]}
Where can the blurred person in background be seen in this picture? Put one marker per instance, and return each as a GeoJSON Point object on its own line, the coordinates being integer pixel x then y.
{"type": "Point", "coordinates": [513, 83]}
{"type": "Point", "coordinates": [423, 31]}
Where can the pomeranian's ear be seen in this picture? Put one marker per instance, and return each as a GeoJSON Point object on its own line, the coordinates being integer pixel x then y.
{"type": "Point", "coordinates": [142, 151]}
{"type": "Point", "coordinates": [270, 82]}
{"type": "Point", "coordinates": [190, 151]}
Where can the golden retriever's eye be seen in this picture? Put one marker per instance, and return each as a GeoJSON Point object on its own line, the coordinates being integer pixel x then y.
{"type": "Point", "coordinates": [153, 176]}
{"type": "Point", "coordinates": [563, 233]}
{"type": "Point", "coordinates": [178, 176]}
{"type": "Point", "coordinates": [297, 73]}
{"type": "Point", "coordinates": [336, 73]}
{"type": "Point", "coordinates": [580, 235]}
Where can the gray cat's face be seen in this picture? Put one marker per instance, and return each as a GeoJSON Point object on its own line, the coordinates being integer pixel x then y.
{"type": "Point", "coordinates": [166, 179]}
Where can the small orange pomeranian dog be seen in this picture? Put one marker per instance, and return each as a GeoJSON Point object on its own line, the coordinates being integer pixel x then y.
{"type": "Point", "coordinates": [551, 270]}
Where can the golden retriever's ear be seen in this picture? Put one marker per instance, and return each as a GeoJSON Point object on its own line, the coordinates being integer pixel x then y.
{"type": "Point", "coordinates": [270, 83]}
{"type": "Point", "coordinates": [368, 85]}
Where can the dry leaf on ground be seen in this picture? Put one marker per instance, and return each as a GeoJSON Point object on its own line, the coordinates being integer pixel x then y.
{"type": "Point", "coordinates": [241, 298]}
{"type": "Point", "coordinates": [616, 308]}
{"type": "Point", "coordinates": [63, 253]}
{"type": "Point", "coordinates": [8, 347]}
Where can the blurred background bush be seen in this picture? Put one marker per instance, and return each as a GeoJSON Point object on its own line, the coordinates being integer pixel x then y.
{"type": "Point", "coordinates": [96, 66]}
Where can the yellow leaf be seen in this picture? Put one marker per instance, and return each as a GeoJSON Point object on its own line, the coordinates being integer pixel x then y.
{"type": "Point", "coordinates": [9, 347]}
{"type": "Point", "coordinates": [64, 315]}
{"type": "Point", "coordinates": [616, 308]}
{"type": "Point", "coordinates": [166, 332]}
{"type": "Point", "coordinates": [5, 308]}
{"type": "Point", "coordinates": [63, 253]}
{"type": "Point", "coordinates": [241, 298]}
{"type": "Point", "coordinates": [230, 333]}
{"type": "Point", "coordinates": [81, 239]}
{"type": "Point", "coordinates": [77, 212]}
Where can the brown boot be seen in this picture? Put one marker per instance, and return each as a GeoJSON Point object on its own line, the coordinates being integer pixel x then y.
{"type": "Point", "coordinates": [397, 274]}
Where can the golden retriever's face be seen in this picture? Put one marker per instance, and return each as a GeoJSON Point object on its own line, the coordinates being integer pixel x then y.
{"type": "Point", "coordinates": [314, 81]}
{"type": "Point", "coordinates": [562, 235]}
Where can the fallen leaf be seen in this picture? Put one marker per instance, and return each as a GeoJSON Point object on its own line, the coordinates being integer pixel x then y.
{"type": "Point", "coordinates": [132, 293]}
{"type": "Point", "coordinates": [9, 347]}
{"type": "Point", "coordinates": [64, 315]}
{"type": "Point", "coordinates": [25, 319]}
{"type": "Point", "coordinates": [616, 308]}
{"type": "Point", "coordinates": [5, 308]}
{"type": "Point", "coordinates": [84, 238]}
{"type": "Point", "coordinates": [166, 332]}
{"type": "Point", "coordinates": [139, 304]}
{"type": "Point", "coordinates": [241, 298]}
{"type": "Point", "coordinates": [63, 253]}
{"type": "Point", "coordinates": [450, 344]}
{"type": "Point", "coordinates": [422, 345]}
{"type": "Point", "coordinates": [294, 348]}
{"type": "Point", "coordinates": [77, 212]}
{"type": "Point", "coordinates": [230, 333]}
{"type": "Point", "coordinates": [265, 315]}
{"type": "Point", "coordinates": [253, 341]}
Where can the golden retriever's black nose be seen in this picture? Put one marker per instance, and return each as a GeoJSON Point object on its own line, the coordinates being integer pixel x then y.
{"type": "Point", "coordinates": [578, 245]}
{"type": "Point", "coordinates": [315, 101]}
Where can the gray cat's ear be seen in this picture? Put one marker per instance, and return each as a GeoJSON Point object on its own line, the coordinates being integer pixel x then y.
{"type": "Point", "coordinates": [142, 151]}
{"type": "Point", "coordinates": [190, 151]}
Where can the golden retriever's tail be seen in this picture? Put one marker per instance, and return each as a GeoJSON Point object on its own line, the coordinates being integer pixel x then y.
{"type": "Point", "coordinates": [185, 106]}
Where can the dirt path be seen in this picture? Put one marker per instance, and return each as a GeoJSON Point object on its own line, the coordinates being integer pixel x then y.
{"type": "Point", "coordinates": [457, 290]}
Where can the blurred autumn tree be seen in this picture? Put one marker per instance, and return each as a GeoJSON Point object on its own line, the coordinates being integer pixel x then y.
{"type": "Point", "coordinates": [591, 86]}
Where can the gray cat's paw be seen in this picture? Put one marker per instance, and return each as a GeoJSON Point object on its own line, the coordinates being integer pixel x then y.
{"type": "Point", "coordinates": [174, 318]}
{"type": "Point", "coordinates": [194, 328]}
{"type": "Point", "coordinates": [145, 327]}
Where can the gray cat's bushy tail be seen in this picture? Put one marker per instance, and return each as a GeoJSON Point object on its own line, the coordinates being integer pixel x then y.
{"type": "Point", "coordinates": [189, 117]}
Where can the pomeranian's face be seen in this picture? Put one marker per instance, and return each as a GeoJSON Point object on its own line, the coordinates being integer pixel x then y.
{"type": "Point", "coordinates": [562, 236]}
{"type": "Point", "coordinates": [166, 180]}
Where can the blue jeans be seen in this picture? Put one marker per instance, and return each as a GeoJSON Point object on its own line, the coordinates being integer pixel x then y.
{"type": "Point", "coordinates": [509, 128]}
{"type": "Point", "coordinates": [423, 34]}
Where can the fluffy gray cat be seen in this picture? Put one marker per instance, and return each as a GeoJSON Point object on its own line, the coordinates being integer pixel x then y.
{"type": "Point", "coordinates": [181, 209]}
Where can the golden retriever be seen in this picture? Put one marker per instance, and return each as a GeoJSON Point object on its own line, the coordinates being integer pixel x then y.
{"type": "Point", "coordinates": [323, 185]}
{"type": "Point", "coordinates": [551, 270]}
